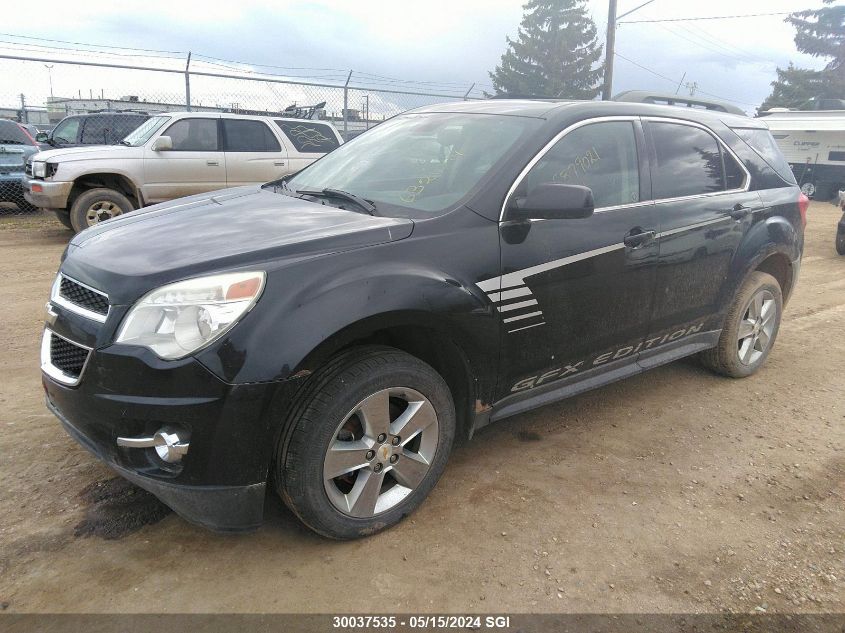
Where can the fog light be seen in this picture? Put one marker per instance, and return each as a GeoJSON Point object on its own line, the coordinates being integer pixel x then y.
{"type": "Point", "coordinates": [168, 445]}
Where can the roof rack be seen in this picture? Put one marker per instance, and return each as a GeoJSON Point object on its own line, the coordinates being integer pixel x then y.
{"type": "Point", "coordinates": [658, 98]}
{"type": "Point", "coordinates": [303, 112]}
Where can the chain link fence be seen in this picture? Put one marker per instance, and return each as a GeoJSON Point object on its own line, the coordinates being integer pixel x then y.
{"type": "Point", "coordinates": [37, 93]}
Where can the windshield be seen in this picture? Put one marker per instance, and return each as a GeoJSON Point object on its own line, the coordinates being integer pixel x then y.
{"type": "Point", "coordinates": [143, 133]}
{"type": "Point", "coordinates": [417, 162]}
{"type": "Point", "coordinates": [12, 134]}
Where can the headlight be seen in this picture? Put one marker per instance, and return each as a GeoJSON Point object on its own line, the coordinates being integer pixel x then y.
{"type": "Point", "coordinates": [39, 169]}
{"type": "Point", "coordinates": [178, 319]}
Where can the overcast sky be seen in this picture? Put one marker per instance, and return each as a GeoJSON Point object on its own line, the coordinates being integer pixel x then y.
{"type": "Point", "coordinates": [453, 42]}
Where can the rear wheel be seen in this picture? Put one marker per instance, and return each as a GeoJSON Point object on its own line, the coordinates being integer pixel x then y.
{"type": "Point", "coordinates": [840, 243]}
{"type": "Point", "coordinates": [750, 330]}
{"type": "Point", "coordinates": [368, 439]}
{"type": "Point", "coordinates": [98, 205]}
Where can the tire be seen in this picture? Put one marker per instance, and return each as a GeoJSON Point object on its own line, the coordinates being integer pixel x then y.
{"type": "Point", "coordinates": [328, 414]}
{"type": "Point", "coordinates": [63, 217]}
{"type": "Point", "coordinates": [740, 357]}
{"type": "Point", "coordinates": [97, 205]}
{"type": "Point", "coordinates": [840, 243]}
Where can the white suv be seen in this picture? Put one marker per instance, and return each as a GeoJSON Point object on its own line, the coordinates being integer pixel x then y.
{"type": "Point", "coordinates": [170, 156]}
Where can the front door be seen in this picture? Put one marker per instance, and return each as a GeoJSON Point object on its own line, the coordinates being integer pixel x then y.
{"type": "Point", "coordinates": [253, 153]}
{"type": "Point", "coordinates": [704, 208]}
{"type": "Point", "coordinates": [575, 295]}
{"type": "Point", "coordinates": [194, 165]}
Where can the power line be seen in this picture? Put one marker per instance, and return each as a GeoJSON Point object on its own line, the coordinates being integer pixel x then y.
{"type": "Point", "coordinates": [708, 17]}
{"type": "Point", "coordinates": [657, 74]}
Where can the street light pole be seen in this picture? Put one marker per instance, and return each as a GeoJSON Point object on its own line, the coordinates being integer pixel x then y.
{"type": "Point", "coordinates": [610, 47]}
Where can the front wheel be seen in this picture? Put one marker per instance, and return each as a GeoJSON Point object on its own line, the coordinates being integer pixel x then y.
{"type": "Point", "coordinates": [840, 242]}
{"type": "Point", "coordinates": [98, 205]}
{"type": "Point", "coordinates": [368, 439]}
{"type": "Point", "coordinates": [750, 330]}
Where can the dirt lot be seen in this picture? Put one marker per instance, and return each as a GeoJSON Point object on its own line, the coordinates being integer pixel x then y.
{"type": "Point", "coordinates": [672, 491]}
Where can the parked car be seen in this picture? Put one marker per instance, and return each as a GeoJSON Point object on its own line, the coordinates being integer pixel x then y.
{"type": "Point", "coordinates": [170, 156]}
{"type": "Point", "coordinates": [95, 128]}
{"type": "Point", "coordinates": [16, 146]}
{"type": "Point", "coordinates": [331, 333]}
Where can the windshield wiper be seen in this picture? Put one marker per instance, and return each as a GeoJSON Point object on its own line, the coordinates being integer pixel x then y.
{"type": "Point", "coordinates": [366, 205]}
{"type": "Point", "coordinates": [127, 143]}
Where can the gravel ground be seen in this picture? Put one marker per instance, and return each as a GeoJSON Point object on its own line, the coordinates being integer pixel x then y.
{"type": "Point", "coordinates": [674, 491]}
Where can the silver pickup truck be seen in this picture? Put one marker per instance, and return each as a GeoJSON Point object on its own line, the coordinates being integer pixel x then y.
{"type": "Point", "coordinates": [169, 156]}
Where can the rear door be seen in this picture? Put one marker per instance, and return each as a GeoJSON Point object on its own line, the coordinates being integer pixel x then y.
{"type": "Point", "coordinates": [196, 163]}
{"type": "Point", "coordinates": [701, 195]}
{"type": "Point", "coordinates": [253, 153]}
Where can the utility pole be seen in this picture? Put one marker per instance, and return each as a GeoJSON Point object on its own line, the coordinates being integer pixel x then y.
{"type": "Point", "coordinates": [49, 68]}
{"type": "Point", "coordinates": [692, 87]}
{"type": "Point", "coordinates": [610, 51]}
{"type": "Point", "coordinates": [610, 47]}
{"type": "Point", "coordinates": [346, 107]}
{"type": "Point", "coordinates": [188, 83]}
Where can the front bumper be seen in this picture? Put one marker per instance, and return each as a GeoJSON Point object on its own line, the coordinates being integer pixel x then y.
{"type": "Point", "coordinates": [46, 194]}
{"type": "Point", "coordinates": [218, 508]}
{"type": "Point", "coordinates": [128, 392]}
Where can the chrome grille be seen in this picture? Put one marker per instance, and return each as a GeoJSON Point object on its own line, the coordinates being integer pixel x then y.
{"type": "Point", "coordinates": [83, 296]}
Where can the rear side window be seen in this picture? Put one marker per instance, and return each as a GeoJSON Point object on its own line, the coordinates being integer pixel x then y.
{"type": "Point", "coordinates": [95, 131]}
{"type": "Point", "coordinates": [12, 134]}
{"type": "Point", "coordinates": [761, 141]}
{"type": "Point", "coordinates": [309, 137]}
{"type": "Point", "coordinates": [689, 161]}
{"type": "Point", "coordinates": [193, 135]}
{"type": "Point", "coordinates": [249, 136]}
{"type": "Point", "coordinates": [601, 156]}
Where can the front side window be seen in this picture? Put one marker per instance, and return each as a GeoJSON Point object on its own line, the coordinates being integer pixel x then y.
{"type": "Point", "coordinates": [689, 161]}
{"type": "Point", "coordinates": [309, 137]}
{"type": "Point", "coordinates": [601, 156]}
{"type": "Point", "coordinates": [193, 135]}
{"type": "Point", "coordinates": [67, 131]}
{"type": "Point", "coordinates": [243, 135]}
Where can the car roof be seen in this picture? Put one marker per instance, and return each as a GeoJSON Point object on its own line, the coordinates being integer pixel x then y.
{"type": "Point", "coordinates": [231, 115]}
{"type": "Point", "coordinates": [552, 108]}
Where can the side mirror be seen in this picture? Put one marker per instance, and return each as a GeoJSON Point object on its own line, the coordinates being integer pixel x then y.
{"type": "Point", "coordinates": [553, 201]}
{"type": "Point", "coordinates": [162, 143]}
{"type": "Point", "coordinates": [42, 137]}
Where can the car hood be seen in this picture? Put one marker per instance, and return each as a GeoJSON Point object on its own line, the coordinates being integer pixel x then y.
{"type": "Point", "coordinates": [233, 228]}
{"type": "Point", "coordinates": [89, 152]}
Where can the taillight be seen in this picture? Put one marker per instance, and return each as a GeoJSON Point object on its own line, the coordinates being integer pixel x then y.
{"type": "Point", "coordinates": [803, 204]}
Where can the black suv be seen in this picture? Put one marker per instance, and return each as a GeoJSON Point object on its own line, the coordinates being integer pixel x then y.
{"type": "Point", "coordinates": [96, 128]}
{"type": "Point", "coordinates": [333, 332]}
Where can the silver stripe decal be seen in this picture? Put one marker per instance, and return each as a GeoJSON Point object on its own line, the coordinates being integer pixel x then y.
{"type": "Point", "coordinates": [517, 306]}
{"type": "Point", "coordinates": [518, 277]}
{"type": "Point", "coordinates": [497, 297]}
{"type": "Point", "coordinates": [690, 227]}
{"type": "Point", "coordinates": [527, 327]}
{"type": "Point", "coordinates": [523, 316]}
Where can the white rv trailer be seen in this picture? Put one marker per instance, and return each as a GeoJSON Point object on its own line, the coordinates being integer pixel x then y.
{"type": "Point", "coordinates": [813, 142]}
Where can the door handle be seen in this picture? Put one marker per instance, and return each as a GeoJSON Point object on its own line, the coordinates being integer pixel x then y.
{"type": "Point", "coordinates": [637, 237]}
{"type": "Point", "coordinates": [212, 163]}
{"type": "Point", "coordinates": [740, 211]}
{"type": "Point", "coordinates": [279, 163]}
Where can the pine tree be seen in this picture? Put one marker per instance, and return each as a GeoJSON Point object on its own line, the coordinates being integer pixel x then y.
{"type": "Point", "coordinates": [820, 33]}
{"type": "Point", "coordinates": [556, 53]}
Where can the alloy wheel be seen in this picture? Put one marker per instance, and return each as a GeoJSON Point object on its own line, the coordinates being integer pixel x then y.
{"type": "Point", "coordinates": [380, 452]}
{"type": "Point", "coordinates": [100, 211]}
{"type": "Point", "coordinates": [756, 328]}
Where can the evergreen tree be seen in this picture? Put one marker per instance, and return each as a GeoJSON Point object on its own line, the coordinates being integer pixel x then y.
{"type": "Point", "coordinates": [556, 53]}
{"type": "Point", "coordinates": [820, 33]}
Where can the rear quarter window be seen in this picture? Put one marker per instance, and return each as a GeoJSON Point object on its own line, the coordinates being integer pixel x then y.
{"type": "Point", "coordinates": [309, 137]}
{"type": "Point", "coordinates": [764, 145]}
